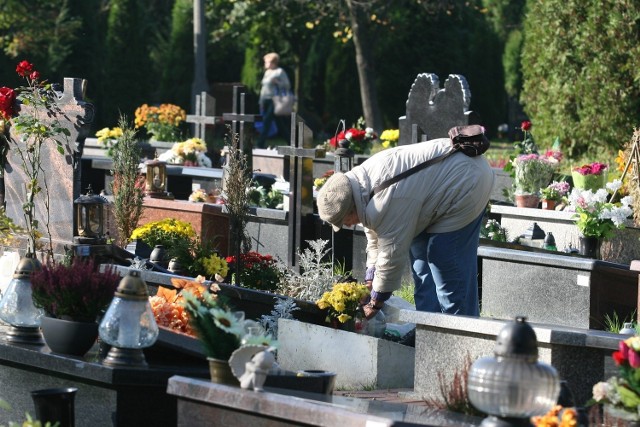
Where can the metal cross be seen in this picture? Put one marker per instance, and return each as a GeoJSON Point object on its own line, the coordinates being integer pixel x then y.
{"type": "Point", "coordinates": [301, 153]}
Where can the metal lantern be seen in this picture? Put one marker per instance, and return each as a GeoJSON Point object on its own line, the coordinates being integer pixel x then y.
{"type": "Point", "coordinates": [513, 386]}
{"type": "Point", "coordinates": [343, 157]}
{"type": "Point", "coordinates": [156, 179]}
{"type": "Point", "coordinates": [89, 218]}
{"type": "Point", "coordinates": [128, 326]}
{"type": "Point", "coordinates": [17, 308]}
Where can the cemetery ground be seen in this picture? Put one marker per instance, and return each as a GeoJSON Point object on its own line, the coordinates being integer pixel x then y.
{"type": "Point", "coordinates": [566, 298]}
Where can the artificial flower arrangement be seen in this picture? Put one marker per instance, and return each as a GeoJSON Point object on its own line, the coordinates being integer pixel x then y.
{"type": "Point", "coordinates": [198, 195]}
{"type": "Point", "coordinates": [76, 291]}
{"type": "Point", "coordinates": [555, 191]}
{"type": "Point", "coordinates": [621, 394]}
{"type": "Point", "coordinates": [342, 301]}
{"type": "Point", "coordinates": [319, 182]}
{"type": "Point", "coordinates": [595, 215]}
{"type": "Point", "coordinates": [168, 304]}
{"type": "Point", "coordinates": [557, 417]}
{"type": "Point", "coordinates": [533, 171]}
{"type": "Point", "coordinates": [260, 197]}
{"type": "Point", "coordinates": [182, 243]}
{"type": "Point", "coordinates": [257, 271]}
{"type": "Point", "coordinates": [493, 230]}
{"type": "Point", "coordinates": [163, 122]}
{"type": "Point", "coordinates": [109, 138]}
{"type": "Point", "coordinates": [218, 327]}
{"type": "Point", "coordinates": [191, 152]}
{"type": "Point", "coordinates": [389, 138]}
{"type": "Point", "coordinates": [359, 136]}
{"type": "Point", "coordinates": [590, 176]}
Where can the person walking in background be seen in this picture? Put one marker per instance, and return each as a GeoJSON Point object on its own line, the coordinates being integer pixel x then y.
{"type": "Point", "coordinates": [431, 217]}
{"type": "Point", "coordinates": [274, 81]}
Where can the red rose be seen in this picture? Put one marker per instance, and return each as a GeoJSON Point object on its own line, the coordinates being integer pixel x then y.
{"type": "Point", "coordinates": [34, 75]}
{"type": "Point", "coordinates": [355, 134]}
{"type": "Point", "coordinates": [24, 68]}
{"type": "Point", "coordinates": [618, 358]}
{"type": "Point", "coordinates": [7, 99]}
{"type": "Point", "coordinates": [525, 125]}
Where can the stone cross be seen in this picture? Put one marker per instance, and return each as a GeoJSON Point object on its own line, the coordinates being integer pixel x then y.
{"type": "Point", "coordinates": [61, 171]}
{"type": "Point", "coordinates": [302, 153]}
{"type": "Point", "coordinates": [432, 111]}
{"type": "Point", "coordinates": [205, 115]}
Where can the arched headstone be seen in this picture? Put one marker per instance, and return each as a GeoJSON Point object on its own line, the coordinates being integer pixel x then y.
{"type": "Point", "coordinates": [432, 111]}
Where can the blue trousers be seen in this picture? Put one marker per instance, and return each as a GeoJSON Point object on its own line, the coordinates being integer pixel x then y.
{"type": "Point", "coordinates": [445, 270]}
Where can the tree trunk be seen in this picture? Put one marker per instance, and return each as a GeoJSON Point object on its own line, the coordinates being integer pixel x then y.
{"type": "Point", "coordinates": [365, 63]}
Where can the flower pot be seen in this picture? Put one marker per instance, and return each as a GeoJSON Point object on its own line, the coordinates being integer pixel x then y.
{"type": "Point", "coordinates": [589, 182]}
{"type": "Point", "coordinates": [590, 247]}
{"type": "Point", "coordinates": [220, 372]}
{"type": "Point", "coordinates": [68, 336]}
{"type": "Point", "coordinates": [527, 201]}
{"type": "Point", "coordinates": [548, 204]}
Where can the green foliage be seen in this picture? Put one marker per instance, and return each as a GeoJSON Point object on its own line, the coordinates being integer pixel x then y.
{"type": "Point", "coordinates": [127, 62]}
{"type": "Point", "coordinates": [128, 184]}
{"type": "Point", "coordinates": [406, 292]}
{"type": "Point", "coordinates": [613, 323]}
{"type": "Point", "coordinates": [177, 51]}
{"type": "Point", "coordinates": [214, 323]}
{"type": "Point", "coordinates": [580, 64]}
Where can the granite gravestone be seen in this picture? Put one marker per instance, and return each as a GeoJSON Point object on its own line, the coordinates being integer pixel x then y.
{"type": "Point", "coordinates": [204, 115]}
{"type": "Point", "coordinates": [60, 175]}
{"type": "Point", "coordinates": [432, 111]}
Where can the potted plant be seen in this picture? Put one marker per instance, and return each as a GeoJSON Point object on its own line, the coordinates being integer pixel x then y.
{"type": "Point", "coordinates": [532, 172]}
{"type": "Point", "coordinates": [221, 331]}
{"type": "Point", "coordinates": [597, 217]}
{"type": "Point", "coordinates": [163, 122]}
{"type": "Point", "coordinates": [342, 304]}
{"type": "Point", "coordinates": [553, 194]}
{"type": "Point", "coordinates": [73, 296]}
{"type": "Point", "coordinates": [257, 271]}
{"type": "Point", "coordinates": [590, 176]}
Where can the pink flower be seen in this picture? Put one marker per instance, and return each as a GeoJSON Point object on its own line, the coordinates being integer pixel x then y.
{"type": "Point", "coordinates": [634, 359]}
{"type": "Point", "coordinates": [595, 168]}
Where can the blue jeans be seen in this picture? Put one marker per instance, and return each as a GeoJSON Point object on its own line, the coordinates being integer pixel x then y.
{"type": "Point", "coordinates": [266, 109]}
{"type": "Point", "coordinates": [445, 270]}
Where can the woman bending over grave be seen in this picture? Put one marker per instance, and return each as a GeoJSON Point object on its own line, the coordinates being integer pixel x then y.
{"type": "Point", "coordinates": [274, 82]}
{"type": "Point", "coordinates": [432, 217]}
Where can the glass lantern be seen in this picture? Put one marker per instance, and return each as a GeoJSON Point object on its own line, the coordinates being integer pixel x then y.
{"type": "Point", "coordinates": [343, 155]}
{"type": "Point", "coordinates": [89, 218]}
{"type": "Point", "coordinates": [128, 325]}
{"type": "Point", "coordinates": [156, 178]}
{"type": "Point", "coordinates": [17, 308]}
{"type": "Point", "coordinates": [513, 386]}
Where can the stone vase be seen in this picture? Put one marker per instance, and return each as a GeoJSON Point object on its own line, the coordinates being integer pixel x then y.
{"type": "Point", "coordinates": [221, 373]}
{"type": "Point", "coordinates": [527, 201]}
{"type": "Point", "coordinates": [590, 247]}
{"type": "Point", "coordinates": [69, 336]}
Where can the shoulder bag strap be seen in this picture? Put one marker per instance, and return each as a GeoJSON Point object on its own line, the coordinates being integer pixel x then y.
{"type": "Point", "coordinates": [409, 172]}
